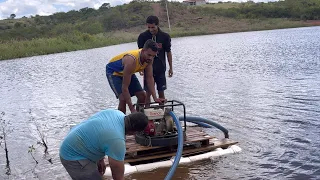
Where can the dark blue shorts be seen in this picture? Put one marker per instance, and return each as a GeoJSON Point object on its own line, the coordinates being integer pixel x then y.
{"type": "Point", "coordinates": [115, 83]}
{"type": "Point", "coordinates": [159, 80]}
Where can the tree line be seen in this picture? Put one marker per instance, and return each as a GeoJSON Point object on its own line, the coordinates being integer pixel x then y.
{"type": "Point", "coordinates": [106, 18]}
{"type": "Point", "coordinates": [294, 9]}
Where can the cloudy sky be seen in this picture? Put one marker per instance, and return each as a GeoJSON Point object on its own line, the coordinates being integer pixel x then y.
{"type": "Point", "coordinates": [46, 7]}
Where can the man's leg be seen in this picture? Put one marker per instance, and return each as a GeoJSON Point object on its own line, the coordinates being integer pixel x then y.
{"type": "Point", "coordinates": [161, 94]}
{"type": "Point", "coordinates": [122, 104]}
{"type": "Point", "coordinates": [136, 89]}
{"type": "Point", "coordinates": [160, 80]}
{"type": "Point", "coordinates": [141, 99]}
{"type": "Point", "coordinates": [81, 169]}
{"type": "Point", "coordinates": [115, 83]}
{"type": "Point", "coordinates": [141, 96]}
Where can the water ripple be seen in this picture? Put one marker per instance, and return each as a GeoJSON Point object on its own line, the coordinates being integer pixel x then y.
{"type": "Point", "coordinates": [264, 87]}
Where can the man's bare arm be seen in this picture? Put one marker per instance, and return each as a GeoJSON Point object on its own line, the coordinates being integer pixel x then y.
{"type": "Point", "coordinates": [117, 169]}
{"type": "Point", "coordinates": [150, 80]}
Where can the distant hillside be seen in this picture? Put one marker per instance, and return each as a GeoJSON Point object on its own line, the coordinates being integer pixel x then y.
{"type": "Point", "coordinates": [91, 28]}
{"type": "Point", "coordinates": [106, 18]}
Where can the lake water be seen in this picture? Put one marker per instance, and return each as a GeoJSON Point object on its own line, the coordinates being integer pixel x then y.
{"type": "Point", "coordinates": [264, 87]}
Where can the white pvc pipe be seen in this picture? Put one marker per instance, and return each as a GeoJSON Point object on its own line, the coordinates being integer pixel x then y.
{"type": "Point", "coordinates": [184, 160]}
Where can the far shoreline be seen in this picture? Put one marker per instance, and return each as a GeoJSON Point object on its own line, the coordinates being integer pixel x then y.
{"type": "Point", "coordinates": [81, 41]}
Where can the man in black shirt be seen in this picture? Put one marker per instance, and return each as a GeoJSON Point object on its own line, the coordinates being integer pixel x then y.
{"type": "Point", "coordinates": [163, 41]}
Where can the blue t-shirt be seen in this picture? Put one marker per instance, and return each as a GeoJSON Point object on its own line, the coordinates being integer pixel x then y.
{"type": "Point", "coordinates": [100, 135]}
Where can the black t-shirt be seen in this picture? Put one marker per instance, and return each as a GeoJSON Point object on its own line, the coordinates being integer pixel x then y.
{"type": "Point", "coordinates": [163, 41]}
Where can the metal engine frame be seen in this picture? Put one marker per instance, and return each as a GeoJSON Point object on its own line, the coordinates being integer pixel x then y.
{"type": "Point", "coordinates": [160, 140]}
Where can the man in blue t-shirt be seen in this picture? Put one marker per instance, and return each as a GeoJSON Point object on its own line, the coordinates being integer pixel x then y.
{"type": "Point", "coordinates": [82, 151]}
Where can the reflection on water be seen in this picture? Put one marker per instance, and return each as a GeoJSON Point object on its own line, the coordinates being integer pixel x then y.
{"type": "Point", "coordinates": [263, 86]}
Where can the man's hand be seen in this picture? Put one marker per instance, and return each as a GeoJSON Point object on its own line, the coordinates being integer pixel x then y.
{"type": "Point", "coordinates": [101, 166]}
{"type": "Point", "coordinates": [133, 110]}
{"type": "Point", "coordinates": [160, 100]}
{"type": "Point", "coordinates": [170, 72]}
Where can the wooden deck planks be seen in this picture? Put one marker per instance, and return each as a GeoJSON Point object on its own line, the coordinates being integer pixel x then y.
{"type": "Point", "coordinates": [196, 142]}
{"type": "Point", "coordinates": [192, 135]}
{"type": "Point", "coordinates": [187, 151]}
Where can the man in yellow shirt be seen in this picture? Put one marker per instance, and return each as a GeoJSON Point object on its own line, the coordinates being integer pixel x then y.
{"type": "Point", "coordinates": [121, 76]}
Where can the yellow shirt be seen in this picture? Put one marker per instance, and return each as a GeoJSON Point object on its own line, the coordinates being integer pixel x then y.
{"type": "Point", "coordinates": [115, 65]}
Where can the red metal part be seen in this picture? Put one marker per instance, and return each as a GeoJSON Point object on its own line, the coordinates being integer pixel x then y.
{"type": "Point", "coordinates": [150, 129]}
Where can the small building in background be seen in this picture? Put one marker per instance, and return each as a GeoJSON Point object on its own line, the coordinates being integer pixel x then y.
{"type": "Point", "coordinates": [194, 2]}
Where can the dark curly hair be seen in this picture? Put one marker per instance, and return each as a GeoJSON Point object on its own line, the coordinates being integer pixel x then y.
{"type": "Point", "coordinates": [152, 20]}
{"type": "Point", "coordinates": [137, 121]}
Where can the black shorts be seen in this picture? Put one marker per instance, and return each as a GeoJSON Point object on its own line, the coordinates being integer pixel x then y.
{"type": "Point", "coordinates": [159, 80]}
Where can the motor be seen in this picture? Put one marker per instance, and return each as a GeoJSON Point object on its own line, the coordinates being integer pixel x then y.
{"type": "Point", "coordinates": [161, 129]}
{"type": "Point", "coordinates": [160, 122]}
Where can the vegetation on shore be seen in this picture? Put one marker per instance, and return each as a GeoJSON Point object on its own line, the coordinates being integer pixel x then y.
{"type": "Point", "coordinates": [91, 28]}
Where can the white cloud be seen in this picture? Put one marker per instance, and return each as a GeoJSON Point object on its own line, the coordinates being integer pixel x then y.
{"type": "Point", "coordinates": [46, 7]}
